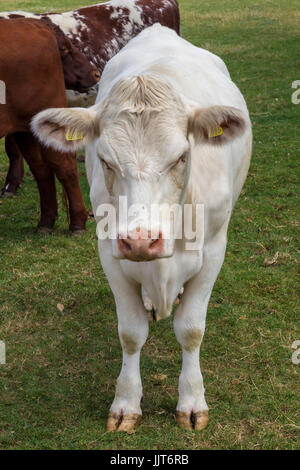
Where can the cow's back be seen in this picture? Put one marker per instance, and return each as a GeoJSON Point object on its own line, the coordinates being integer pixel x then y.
{"type": "Point", "coordinates": [203, 80]}
{"type": "Point", "coordinates": [101, 30]}
{"type": "Point", "coordinates": [197, 73]}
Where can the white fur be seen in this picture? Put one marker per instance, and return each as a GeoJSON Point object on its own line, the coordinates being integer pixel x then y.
{"type": "Point", "coordinates": [216, 179]}
{"type": "Point", "coordinates": [134, 10]}
{"type": "Point", "coordinates": [24, 14]}
{"type": "Point", "coordinates": [179, 81]}
{"type": "Point", "coordinates": [69, 22]}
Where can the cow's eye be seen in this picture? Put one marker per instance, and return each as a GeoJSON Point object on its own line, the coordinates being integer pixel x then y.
{"type": "Point", "coordinates": [105, 164]}
{"type": "Point", "coordinates": [181, 160]}
{"type": "Point", "coordinates": [65, 50]}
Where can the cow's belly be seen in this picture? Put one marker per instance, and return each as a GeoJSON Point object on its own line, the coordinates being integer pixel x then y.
{"type": "Point", "coordinates": [163, 278]}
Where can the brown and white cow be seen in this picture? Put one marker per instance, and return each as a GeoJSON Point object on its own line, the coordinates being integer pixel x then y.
{"type": "Point", "coordinates": [31, 69]}
{"type": "Point", "coordinates": [99, 32]}
{"type": "Point", "coordinates": [168, 140]}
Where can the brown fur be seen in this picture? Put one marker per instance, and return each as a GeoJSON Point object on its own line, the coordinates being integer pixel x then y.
{"type": "Point", "coordinates": [31, 68]}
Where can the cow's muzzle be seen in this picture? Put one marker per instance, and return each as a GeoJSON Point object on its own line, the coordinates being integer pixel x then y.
{"type": "Point", "coordinates": [140, 246]}
{"type": "Point", "coordinates": [83, 86]}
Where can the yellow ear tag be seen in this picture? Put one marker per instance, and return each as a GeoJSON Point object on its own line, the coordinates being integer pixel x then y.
{"type": "Point", "coordinates": [217, 132]}
{"type": "Point", "coordinates": [73, 134]}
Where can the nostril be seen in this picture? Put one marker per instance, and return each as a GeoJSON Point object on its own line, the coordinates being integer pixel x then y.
{"type": "Point", "coordinates": [127, 245]}
{"type": "Point", "coordinates": [154, 243]}
{"type": "Point", "coordinates": [124, 245]}
{"type": "Point", "coordinates": [156, 238]}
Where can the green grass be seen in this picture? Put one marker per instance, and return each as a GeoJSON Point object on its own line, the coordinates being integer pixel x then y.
{"type": "Point", "coordinates": [58, 383]}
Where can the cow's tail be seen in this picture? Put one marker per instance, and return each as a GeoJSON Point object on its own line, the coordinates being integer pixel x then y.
{"type": "Point", "coordinates": [65, 203]}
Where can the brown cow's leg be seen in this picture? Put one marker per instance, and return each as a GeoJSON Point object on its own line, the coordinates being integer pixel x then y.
{"type": "Point", "coordinates": [64, 166]}
{"type": "Point", "coordinates": [44, 177]}
{"type": "Point", "coordinates": [15, 172]}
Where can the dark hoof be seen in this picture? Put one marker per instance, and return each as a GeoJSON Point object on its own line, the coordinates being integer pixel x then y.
{"type": "Point", "coordinates": [44, 230]}
{"type": "Point", "coordinates": [7, 194]}
{"type": "Point", "coordinates": [80, 157]}
{"type": "Point", "coordinates": [77, 233]}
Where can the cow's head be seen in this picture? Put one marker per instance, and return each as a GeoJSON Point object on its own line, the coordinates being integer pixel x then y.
{"type": "Point", "coordinates": [142, 134]}
{"type": "Point", "coordinates": [79, 74]}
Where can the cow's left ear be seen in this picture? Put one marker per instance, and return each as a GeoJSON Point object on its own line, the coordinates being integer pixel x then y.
{"type": "Point", "coordinates": [66, 129]}
{"type": "Point", "coordinates": [217, 124]}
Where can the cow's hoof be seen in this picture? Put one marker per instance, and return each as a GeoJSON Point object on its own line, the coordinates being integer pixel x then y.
{"type": "Point", "coordinates": [200, 420]}
{"type": "Point", "coordinates": [80, 157]}
{"type": "Point", "coordinates": [7, 194]}
{"type": "Point", "coordinates": [150, 307]}
{"type": "Point", "coordinates": [44, 230]}
{"type": "Point", "coordinates": [180, 294]}
{"type": "Point", "coordinates": [77, 232]}
{"type": "Point", "coordinates": [125, 423]}
{"type": "Point", "coordinates": [196, 421]}
{"type": "Point", "coordinates": [153, 315]}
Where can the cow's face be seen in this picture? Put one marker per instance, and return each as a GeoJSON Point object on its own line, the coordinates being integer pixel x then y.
{"type": "Point", "coordinates": [145, 158]}
{"type": "Point", "coordinates": [79, 74]}
{"type": "Point", "coordinates": [141, 137]}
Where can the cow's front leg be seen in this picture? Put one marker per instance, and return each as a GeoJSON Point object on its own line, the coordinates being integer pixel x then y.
{"type": "Point", "coordinates": [192, 410]}
{"type": "Point", "coordinates": [189, 325]}
{"type": "Point", "coordinates": [125, 411]}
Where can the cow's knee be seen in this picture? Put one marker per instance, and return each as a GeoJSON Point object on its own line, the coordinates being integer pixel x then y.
{"type": "Point", "coordinates": [129, 342]}
{"type": "Point", "coordinates": [133, 334]}
{"type": "Point", "coordinates": [189, 336]}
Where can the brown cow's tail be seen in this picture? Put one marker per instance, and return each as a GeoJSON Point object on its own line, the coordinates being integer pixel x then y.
{"type": "Point", "coordinates": [65, 203]}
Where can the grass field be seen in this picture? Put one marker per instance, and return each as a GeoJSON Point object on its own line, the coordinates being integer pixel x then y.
{"type": "Point", "coordinates": [62, 363]}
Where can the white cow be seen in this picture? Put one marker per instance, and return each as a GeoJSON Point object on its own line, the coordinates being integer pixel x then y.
{"type": "Point", "coordinates": [169, 127]}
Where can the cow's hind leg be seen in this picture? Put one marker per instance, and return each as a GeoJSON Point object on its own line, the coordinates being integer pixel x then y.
{"type": "Point", "coordinates": [150, 307]}
{"type": "Point", "coordinates": [65, 168]}
{"type": "Point", "coordinates": [15, 172]}
{"type": "Point", "coordinates": [44, 176]}
{"type": "Point", "coordinates": [189, 325]}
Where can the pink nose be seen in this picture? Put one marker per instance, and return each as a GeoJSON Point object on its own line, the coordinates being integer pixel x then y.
{"type": "Point", "coordinates": [141, 247]}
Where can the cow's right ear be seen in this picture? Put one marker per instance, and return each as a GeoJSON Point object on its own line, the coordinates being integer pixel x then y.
{"type": "Point", "coordinates": [66, 129]}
